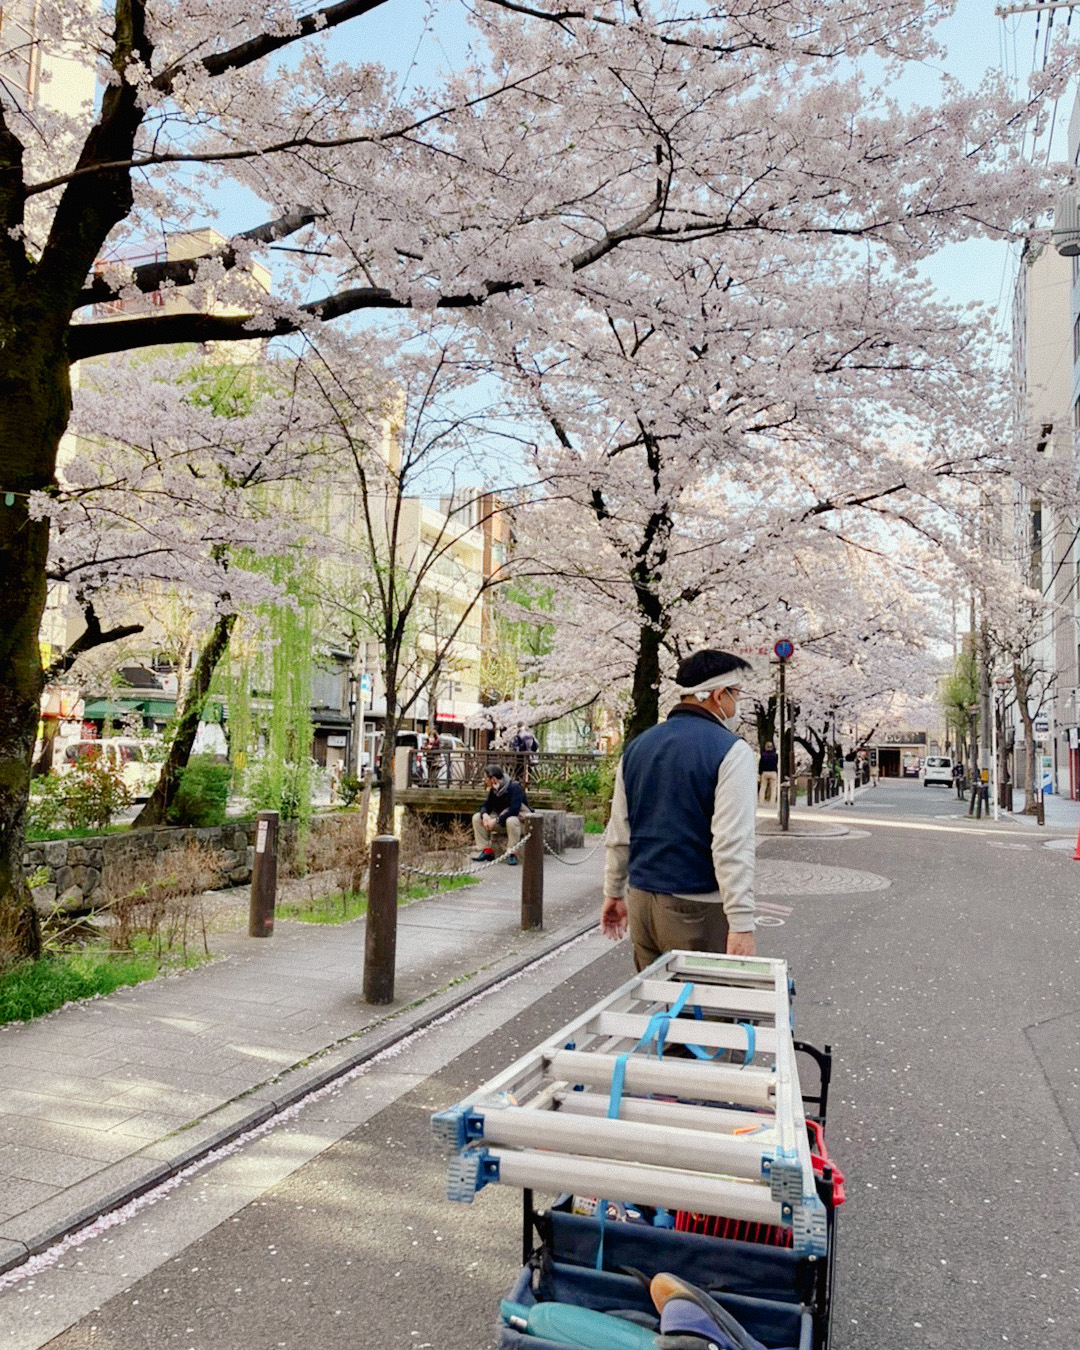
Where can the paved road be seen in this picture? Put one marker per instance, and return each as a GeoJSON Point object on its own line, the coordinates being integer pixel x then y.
{"type": "Point", "coordinates": [951, 998]}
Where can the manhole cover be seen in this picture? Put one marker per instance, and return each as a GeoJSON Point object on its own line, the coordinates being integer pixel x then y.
{"type": "Point", "coordinates": [778, 877]}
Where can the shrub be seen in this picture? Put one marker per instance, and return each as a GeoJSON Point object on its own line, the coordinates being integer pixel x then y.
{"type": "Point", "coordinates": [349, 788]}
{"type": "Point", "coordinates": [158, 902]}
{"type": "Point", "coordinates": [203, 793]}
{"type": "Point", "coordinates": [93, 792]}
{"type": "Point", "coordinates": [46, 805]}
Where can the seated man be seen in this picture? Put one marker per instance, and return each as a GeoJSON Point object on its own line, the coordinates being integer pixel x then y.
{"type": "Point", "coordinates": [503, 808]}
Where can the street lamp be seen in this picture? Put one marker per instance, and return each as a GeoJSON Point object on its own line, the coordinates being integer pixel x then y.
{"type": "Point", "coordinates": [353, 757]}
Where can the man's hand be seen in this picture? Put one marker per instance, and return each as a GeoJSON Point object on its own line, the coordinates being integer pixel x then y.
{"type": "Point", "coordinates": [613, 918]}
{"type": "Point", "coordinates": [488, 822]}
{"type": "Point", "coordinates": [738, 944]}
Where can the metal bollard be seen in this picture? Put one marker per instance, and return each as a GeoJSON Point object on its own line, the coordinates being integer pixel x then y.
{"type": "Point", "coordinates": [785, 806]}
{"type": "Point", "coordinates": [1040, 810]}
{"type": "Point", "coordinates": [264, 876]}
{"type": "Point", "coordinates": [532, 876]}
{"type": "Point", "coordinates": [380, 938]}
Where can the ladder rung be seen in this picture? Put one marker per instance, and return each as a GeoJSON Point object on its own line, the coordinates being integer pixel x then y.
{"type": "Point", "coordinates": [726, 998]}
{"type": "Point", "coordinates": [630, 1182]}
{"type": "Point", "coordinates": [625, 1140]}
{"type": "Point", "coordinates": [685, 1031]}
{"type": "Point", "coordinates": [675, 1078]}
{"type": "Point", "coordinates": [715, 1118]}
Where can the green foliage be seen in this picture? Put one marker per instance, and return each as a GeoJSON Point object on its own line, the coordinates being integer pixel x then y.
{"type": "Point", "coordinates": [203, 793]}
{"type": "Point", "coordinates": [959, 691]}
{"type": "Point", "coordinates": [87, 796]}
{"type": "Point", "coordinates": [586, 791]}
{"type": "Point", "coordinates": [279, 785]}
{"type": "Point", "coordinates": [593, 827]}
{"type": "Point", "coordinates": [38, 987]}
{"type": "Point", "coordinates": [45, 809]}
{"type": "Point", "coordinates": [349, 788]}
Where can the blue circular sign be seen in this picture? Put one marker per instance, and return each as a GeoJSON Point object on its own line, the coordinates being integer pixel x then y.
{"type": "Point", "coordinates": [784, 649]}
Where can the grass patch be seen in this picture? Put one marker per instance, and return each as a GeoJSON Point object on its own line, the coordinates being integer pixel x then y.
{"type": "Point", "coordinates": [346, 905]}
{"type": "Point", "coordinates": [34, 988]}
{"type": "Point", "coordinates": [45, 836]}
{"type": "Point", "coordinates": [594, 827]}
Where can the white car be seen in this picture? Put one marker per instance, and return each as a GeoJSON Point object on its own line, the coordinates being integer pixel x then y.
{"type": "Point", "coordinates": [129, 756]}
{"type": "Point", "coordinates": [938, 769]}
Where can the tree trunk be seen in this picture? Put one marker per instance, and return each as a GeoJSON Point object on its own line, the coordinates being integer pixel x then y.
{"type": "Point", "coordinates": [187, 726]}
{"type": "Point", "coordinates": [1021, 684]}
{"type": "Point", "coordinates": [35, 402]}
{"type": "Point", "coordinates": [644, 709]}
{"type": "Point", "coordinates": [385, 824]}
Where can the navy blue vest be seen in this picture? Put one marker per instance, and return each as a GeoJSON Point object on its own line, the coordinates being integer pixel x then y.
{"type": "Point", "coordinates": [670, 776]}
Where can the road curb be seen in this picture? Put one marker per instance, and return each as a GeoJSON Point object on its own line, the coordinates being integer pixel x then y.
{"type": "Point", "coordinates": [39, 1228]}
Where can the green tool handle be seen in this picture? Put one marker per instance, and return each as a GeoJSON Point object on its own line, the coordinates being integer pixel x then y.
{"type": "Point", "coordinates": [565, 1324]}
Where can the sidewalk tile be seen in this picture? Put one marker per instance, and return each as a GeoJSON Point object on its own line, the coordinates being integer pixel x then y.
{"type": "Point", "coordinates": [49, 1168]}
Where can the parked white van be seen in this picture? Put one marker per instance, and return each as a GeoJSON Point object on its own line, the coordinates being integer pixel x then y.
{"type": "Point", "coordinates": [938, 769]}
{"type": "Point", "coordinates": [139, 773]}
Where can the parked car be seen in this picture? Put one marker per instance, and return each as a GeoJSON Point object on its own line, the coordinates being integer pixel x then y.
{"type": "Point", "coordinates": [912, 766]}
{"type": "Point", "coordinates": [938, 769]}
{"type": "Point", "coordinates": [139, 773]}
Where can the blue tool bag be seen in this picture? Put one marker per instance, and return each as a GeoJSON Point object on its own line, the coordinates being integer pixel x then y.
{"type": "Point", "coordinates": [762, 1287]}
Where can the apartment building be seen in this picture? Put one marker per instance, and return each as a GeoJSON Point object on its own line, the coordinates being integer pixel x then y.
{"type": "Point", "coordinates": [1046, 376]}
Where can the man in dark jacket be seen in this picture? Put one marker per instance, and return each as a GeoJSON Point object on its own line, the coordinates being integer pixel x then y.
{"type": "Point", "coordinates": [681, 831]}
{"type": "Point", "coordinates": [502, 811]}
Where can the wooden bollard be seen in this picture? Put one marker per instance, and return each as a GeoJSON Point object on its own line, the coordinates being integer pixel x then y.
{"type": "Point", "coordinates": [532, 875]}
{"type": "Point", "coordinates": [264, 876]}
{"type": "Point", "coordinates": [380, 938]}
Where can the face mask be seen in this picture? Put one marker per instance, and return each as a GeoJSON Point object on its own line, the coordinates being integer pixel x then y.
{"type": "Point", "coordinates": [732, 722]}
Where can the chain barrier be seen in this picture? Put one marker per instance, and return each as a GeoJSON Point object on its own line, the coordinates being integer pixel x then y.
{"type": "Point", "coordinates": [575, 862]}
{"type": "Point", "coordinates": [461, 872]}
{"type": "Point", "coordinates": [494, 862]}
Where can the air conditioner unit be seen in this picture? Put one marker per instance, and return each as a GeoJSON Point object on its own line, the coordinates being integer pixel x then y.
{"type": "Point", "coordinates": [1066, 232]}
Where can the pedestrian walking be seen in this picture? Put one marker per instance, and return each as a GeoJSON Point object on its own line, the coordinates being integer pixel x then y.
{"type": "Point", "coordinates": [767, 774]}
{"type": "Point", "coordinates": [958, 779]}
{"type": "Point", "coordinates": [524, 745]}
{"type": "Point", "coordinates": [680, 841]}
{"type": "Point", "coordinates": [504, 807]}
{"type": "Point", "coordinates": [848, 774]}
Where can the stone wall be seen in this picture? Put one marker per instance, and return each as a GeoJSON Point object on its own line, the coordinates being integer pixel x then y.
{"type": "Point", "coordinates": [70, 870]}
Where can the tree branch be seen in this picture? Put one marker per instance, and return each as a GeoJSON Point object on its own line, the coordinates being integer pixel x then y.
{"type": "Point", "coordinates": [182, 271]}
{"type": "Point", "coordinates": [93, 636]}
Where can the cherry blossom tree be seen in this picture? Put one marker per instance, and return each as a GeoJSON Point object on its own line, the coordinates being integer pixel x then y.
{"type": "Point", "coordinates": [580, 136]}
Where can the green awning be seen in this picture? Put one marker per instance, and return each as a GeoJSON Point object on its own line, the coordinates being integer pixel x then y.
{"type": "Point", "coordinates": [117, 707]}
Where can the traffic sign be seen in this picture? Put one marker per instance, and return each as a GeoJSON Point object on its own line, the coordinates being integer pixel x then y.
{"type": "Point", "coordinates": [784, 649]}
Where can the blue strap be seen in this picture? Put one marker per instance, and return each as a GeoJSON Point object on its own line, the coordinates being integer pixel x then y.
{"type": "Point", "coordinates": [748, 1054]}
{"type": "Point", "coordinates": [656, 1030]}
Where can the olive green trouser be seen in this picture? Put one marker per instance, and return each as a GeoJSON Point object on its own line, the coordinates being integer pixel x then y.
{"type": "Point", "coordinates": [665, 923]}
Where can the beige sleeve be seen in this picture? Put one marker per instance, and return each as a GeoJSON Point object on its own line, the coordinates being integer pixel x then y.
{"type": "Point", "coordinates": [617, 841]}
{"type": "Point", "coordinates": [734, 848]}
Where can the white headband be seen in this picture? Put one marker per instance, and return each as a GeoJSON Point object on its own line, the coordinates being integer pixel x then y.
{"type": "Point", "coordinates": [732, 680]}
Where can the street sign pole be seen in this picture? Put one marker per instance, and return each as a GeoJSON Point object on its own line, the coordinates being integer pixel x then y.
{"type": "Point", "coordinates": [783, 652]}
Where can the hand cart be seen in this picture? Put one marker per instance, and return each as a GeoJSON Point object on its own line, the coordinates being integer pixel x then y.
{"type": "Point", "coordinates": [679, 1095]}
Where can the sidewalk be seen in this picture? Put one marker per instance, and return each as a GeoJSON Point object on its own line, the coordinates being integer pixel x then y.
{"type": "Point", "coordinates": [1061, 813]}
{"type": "Point", "coordinates": [102, 1100]}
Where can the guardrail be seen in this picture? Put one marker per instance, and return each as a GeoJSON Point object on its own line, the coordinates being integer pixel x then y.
{"type": "Point", "coordinates": [465, 768]}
